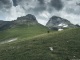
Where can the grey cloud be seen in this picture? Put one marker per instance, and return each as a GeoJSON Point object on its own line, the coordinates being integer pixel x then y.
{"type": "Point", "coordinates": [5, 1]}
{"type": "Point", "coordinates": [71, 10]}
{"type": "Point", "coordinates": [57, 4]}
{"type": "Point", "coordinates": [15, 2]}
{"type": "Point", "coordinates": [5, 4]}
{"type": "Point", "coordinates": [72, 7]}
{"type": "Point", "coordinates": [41, 1]}
{"type": "Point", "coordinates": [40, 5]}
{"type": "Point", "coordinates": [36, 9]}
{"type": "Point", "coordinates": [40, 8]}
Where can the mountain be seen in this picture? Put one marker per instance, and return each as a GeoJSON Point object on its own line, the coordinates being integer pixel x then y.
{"type": "Point", "coordinates": [4, 24]}
{"type": "Point", "coordinates": [26, 39]}
{"type": "Point", "coordinates": [24, 27]}
{"type": "Point", "coordinates": [56, 22]}
{"type": "Point", "coordinates": [64, 45]}
{"type": "Point", "coordinates": [24, 20]}
{"type": "Point", "coordinates": [28, 19]}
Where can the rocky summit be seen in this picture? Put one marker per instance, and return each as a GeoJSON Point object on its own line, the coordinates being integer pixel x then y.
{"type": "Point", "coordinates": [28, 19]}
{"type": "Point", "coordinates": [56, 22]}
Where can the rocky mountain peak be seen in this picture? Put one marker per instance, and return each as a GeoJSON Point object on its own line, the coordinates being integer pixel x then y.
{"type": "Point", "coordinates": [28, 19]}
{"type": "Point", "coordinates": [58, 19]}
{"type": "Point", "coordinates": [58, 22]}
{"type": "Point", "coordinates": [55, 17]}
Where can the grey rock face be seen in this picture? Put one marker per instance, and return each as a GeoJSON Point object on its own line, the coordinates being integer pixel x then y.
{"type": "Point", "coordinates": [28, 19]}
{"type": "Point", "coordinates": [58, 22]}
{"type": "Point", "coordinates": [77, 25]}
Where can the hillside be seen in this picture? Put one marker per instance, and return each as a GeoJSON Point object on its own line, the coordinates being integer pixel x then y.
{"type": "Point", "coordinates": [65, 44]}
{"type": "Point", "coordinates": [23, 27]}
{"type": "Point", "coordinates": [22, 31]}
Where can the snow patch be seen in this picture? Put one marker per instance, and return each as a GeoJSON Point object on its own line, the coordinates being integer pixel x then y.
{"type": "Point", "coordinates": [67, 41]}
{"type": "Point", "coordinates": [51, 48]}
{"type": "Point", "coordinates": [63, 25]}
{"type": "Point", "coordinates": [74, 56]}
{"type": "Point", "coordinates": [8, 41]}
{"type": "Point", "coordinates": [60, 29]}
{"type": "Point", "coordinates": [12, 40]}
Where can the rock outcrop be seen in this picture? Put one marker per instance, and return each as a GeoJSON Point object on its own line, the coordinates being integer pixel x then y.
{"type": "Point", "coordinates": [28, 19]}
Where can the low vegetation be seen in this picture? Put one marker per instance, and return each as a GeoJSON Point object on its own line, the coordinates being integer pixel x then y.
{"type": "Point", "coordinates": [22, 31]}
{"type": "Point", "coordinates": [65, 44]}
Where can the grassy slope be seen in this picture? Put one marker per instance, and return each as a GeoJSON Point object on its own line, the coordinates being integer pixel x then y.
{"type": "Point", "coordinates": [65, 44]}
{"type": "Point", "coordinates": [23, 31]}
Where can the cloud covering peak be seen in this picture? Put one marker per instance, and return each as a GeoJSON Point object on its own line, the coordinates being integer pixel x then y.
{"type": "Point", "coordinates": [42, 9]}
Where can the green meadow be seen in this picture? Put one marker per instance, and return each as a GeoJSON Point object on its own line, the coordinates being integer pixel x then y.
{"type": "Point", "coordinates": [33, 44]}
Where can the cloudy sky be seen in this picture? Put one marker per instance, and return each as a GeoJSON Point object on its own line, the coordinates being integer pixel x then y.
{"type": "Point", "coordinates": [42, 9]}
